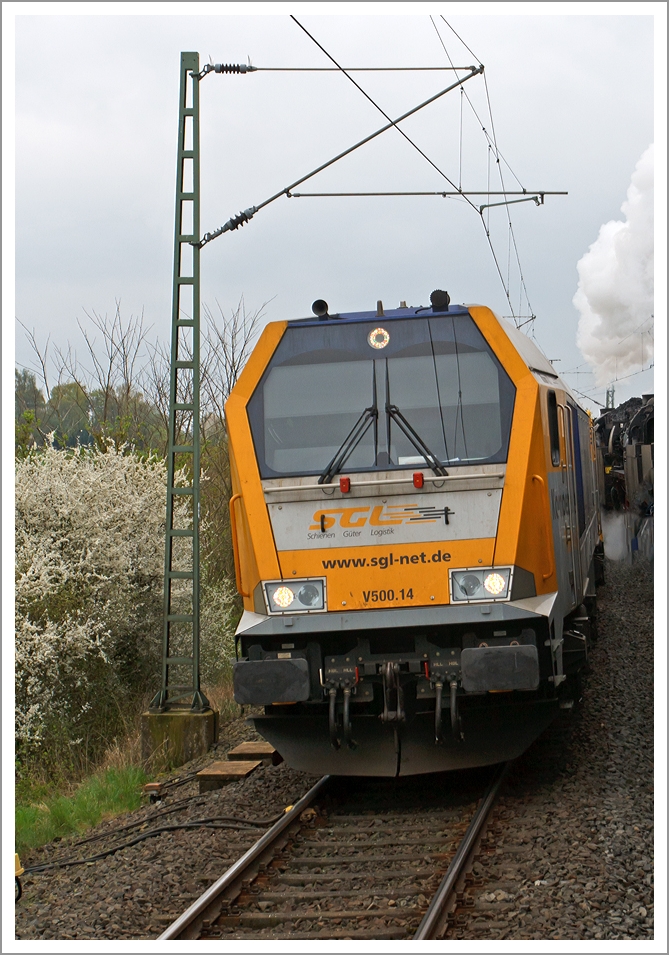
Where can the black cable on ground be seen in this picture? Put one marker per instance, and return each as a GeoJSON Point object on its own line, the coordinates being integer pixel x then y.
{"type": "Point", "coordinates": [166, 812]}
{"type": "Point", "coordinates": [179, 781]}
{"type": "Point", "coordinates": [133, 825]}
{"type": "Point", "coordinates": [193, 800]}
{"type": "Point", "coordinates": [214, 822]}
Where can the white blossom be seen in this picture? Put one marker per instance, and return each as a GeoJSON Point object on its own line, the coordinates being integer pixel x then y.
{"type": "Point", "coordinates": [90, 538]}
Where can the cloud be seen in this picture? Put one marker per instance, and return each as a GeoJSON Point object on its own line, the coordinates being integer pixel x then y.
{"type": "Point", "coordinates": [615, 289]}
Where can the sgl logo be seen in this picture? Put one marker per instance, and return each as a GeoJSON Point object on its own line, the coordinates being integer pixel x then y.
{"type": "Point", "coordinates": [379, 516]}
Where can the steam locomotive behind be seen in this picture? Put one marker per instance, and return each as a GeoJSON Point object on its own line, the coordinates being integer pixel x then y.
{"type": "Point", "coordinates": [625, 471]}
{"type": "Point", "coordinates": [415, 523]}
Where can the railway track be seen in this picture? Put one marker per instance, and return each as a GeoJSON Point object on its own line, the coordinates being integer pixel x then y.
{"type": "Point", "coordinates": [353, 859]}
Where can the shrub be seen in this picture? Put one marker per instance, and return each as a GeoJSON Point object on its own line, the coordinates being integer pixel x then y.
{"type": "Point", "coordinates": [218, 618]}
{"type": "Point", "coordinates": [89, 570]}
{"type": "Point", "coordinates": [90, 525]}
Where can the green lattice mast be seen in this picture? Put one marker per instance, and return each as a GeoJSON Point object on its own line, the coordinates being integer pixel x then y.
{"type": "Point", "coordinates": [181, 625]}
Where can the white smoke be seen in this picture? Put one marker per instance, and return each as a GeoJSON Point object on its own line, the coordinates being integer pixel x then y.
{"type": "Point", "coordinates": [617, 533]}
{"type": "Point", "coordinates": [615, 289]}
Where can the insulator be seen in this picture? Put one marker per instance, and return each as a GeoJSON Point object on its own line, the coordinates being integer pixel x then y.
{"type": "Point", "coordinates": [234, 223]}
{"type": "Point", "coordinates": [233, 68]}
{"type": "Point", "coordinates": [239, 220]}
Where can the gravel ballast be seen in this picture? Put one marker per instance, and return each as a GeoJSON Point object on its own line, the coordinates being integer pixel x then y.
{"type": "Point", "coordinates": [569, 855]}
{"type": "Point", "coordinates": [138, 891]}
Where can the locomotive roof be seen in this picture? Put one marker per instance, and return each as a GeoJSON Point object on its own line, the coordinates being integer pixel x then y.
{"type": "Point", "coordinates": [528, 350]}
{"type": "Point", "coordinates": [389, 315]}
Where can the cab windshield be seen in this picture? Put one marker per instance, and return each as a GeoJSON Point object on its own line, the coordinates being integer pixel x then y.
{"type": "Point", "coordinates": [438, 372]}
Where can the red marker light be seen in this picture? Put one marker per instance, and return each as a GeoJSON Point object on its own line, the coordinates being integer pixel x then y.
{"type": "Point", "coordinates": [345, 485]}
{"type": "Point", "coordinates": [418, 479]}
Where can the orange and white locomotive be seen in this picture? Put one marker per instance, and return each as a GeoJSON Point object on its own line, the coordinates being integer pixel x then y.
{"type": "Point", "coordinates": [415, 524]}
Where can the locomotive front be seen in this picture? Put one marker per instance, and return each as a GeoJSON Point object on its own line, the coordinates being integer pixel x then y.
{"type": "Point", "coordinates": [393, 523]}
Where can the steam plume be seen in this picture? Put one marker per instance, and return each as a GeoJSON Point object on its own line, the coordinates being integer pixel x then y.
{"type": "Point", "coordinates": [615, 289]}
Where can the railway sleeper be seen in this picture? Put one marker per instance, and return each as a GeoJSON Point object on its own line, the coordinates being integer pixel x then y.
{"type": "Point", "coordinates": [388, 817]}
{"type": "Point", "coordinates": [378, 932]}
{"type": "Point", "coordinates": [263, 920]}
{"type": "Point", "coordinates": [408, 892]}
{"type": "Point", "coordinates": [328, 862]}
{"type": "Point", "coordinates": [366, 879]}
{"type": "Point", "coordinates": [359, 900]}
{"type": "Point", "coordinates": [400, 842]}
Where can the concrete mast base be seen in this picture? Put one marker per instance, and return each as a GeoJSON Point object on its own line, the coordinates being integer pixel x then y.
{"type": "Point", "coordinates": [175, 737]}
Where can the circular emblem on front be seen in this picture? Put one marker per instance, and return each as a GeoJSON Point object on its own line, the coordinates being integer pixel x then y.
{"type": "Point", "coordinates": [379, 338]}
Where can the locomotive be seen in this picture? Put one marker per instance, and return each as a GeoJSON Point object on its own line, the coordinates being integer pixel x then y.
{"type": "Point", "coordinates": [416, 530]}
{"type": "Point", "coordinates": [625, 470]}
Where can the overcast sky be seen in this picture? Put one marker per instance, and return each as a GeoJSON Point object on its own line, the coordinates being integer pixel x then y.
{"type": "Point", "coordinates": [96, 125]}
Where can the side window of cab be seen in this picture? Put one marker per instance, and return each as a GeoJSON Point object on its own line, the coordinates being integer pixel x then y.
{"type": "Point", "coordinates": [553, 430]}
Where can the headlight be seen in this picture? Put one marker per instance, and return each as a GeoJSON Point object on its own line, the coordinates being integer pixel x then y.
{"type": "Point", "coordinates": [480, 584]}
{"type": "Point", "coordinates": [283, 597]}
{"type": "Point", "coordinates": [495, 584]}
{"type": "Point", "coordinates": [311, 596]}
{"type": "Point", "coordinates": [469, 584]}
{"type": "Point", "coordinates": [301, 596]}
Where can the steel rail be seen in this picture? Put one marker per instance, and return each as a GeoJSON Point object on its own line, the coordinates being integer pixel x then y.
{"type": "Point", "coordinates": [435, 910]}
{"type": "Point", "coordinates": [237, 869]}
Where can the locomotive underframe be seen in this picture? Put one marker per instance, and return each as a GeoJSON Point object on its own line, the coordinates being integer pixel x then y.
{"type": "Point", "coordinates": [378, 701]}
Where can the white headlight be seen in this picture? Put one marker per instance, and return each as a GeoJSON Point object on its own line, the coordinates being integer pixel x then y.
{"type": "Point", "coordinates": [494, 584]}
{"type": "Point", "coordinates": [283, 597]}
{"type": "Point", "coordinates": [302, 596]}
{"type": "Point", "coordinates": [480, 584]}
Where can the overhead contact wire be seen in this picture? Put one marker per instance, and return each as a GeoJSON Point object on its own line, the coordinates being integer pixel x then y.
{"type": "Point", "coordinates": [589, 397]}
{"type": "Point", "coordinates": [243, 217]}
{"type": "Point", "coordinates": [382, 111]}
{"type": "Point", "coordinates": [499, 159]}
{"type": "Point", "coordinates": [458, 36]}
{"type": "Point", "coordinates": [491, 144]}
{"type": "Point", "coordinates": [239, 220]}
{"type": "Point", "coordinates": [512, 236]}
{"type": "Point", "coordinates": [471, 105]}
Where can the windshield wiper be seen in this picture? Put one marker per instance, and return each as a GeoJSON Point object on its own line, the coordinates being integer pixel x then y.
{"type": "Point", "coordinates": [350, 443]}
{"type": "Point", "coordinates": [431, 459]}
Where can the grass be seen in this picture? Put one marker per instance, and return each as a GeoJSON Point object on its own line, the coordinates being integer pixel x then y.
{"type": "Point", "coordinates": [49, 808]}
{"type": "Point", "coordinates": [54, 805]}
{"type": "Point", "coordinates": [101, 796]}
{"type": "Point", "coordinates": [222, 699]}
